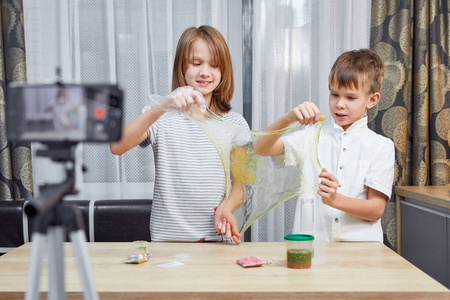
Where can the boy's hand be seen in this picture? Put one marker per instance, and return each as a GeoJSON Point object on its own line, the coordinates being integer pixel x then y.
{"type": "Point", "coordinates": [226, 223]}
{"type": "Point", "coordinates": [328, 187]}
{"type": "Point", "coordinates": [182, 99]}
{"type": "Point", "coordinates": [305, 113]}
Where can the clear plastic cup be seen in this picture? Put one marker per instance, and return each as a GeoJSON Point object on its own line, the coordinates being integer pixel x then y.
{"type": "Point", "coordinates": [299, 250]}
{"type": "Point", "coordinates": [140, 246]}
{"type": "Point", "coordinates": [307, 215]}
{"type": "Point", "coordinates": [319, 246]}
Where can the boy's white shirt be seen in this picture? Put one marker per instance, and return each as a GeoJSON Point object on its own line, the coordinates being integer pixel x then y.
{"type": "Point", "coordinates": [359, 158]}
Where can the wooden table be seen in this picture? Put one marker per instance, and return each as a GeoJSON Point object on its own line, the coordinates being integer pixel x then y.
{"type": "Point", "coordinates": [351, 271]}
{"type": "Point", "coordinates": [434, 195]}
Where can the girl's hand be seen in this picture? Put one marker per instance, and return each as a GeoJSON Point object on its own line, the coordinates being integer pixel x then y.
{"type": "Point", "coordinates": [226, 223]}
{"type": "Point", "coordinates": [328, 187]}
{"type": "Point", "coordinates": [305, 113]}
{"type": "Point", "coordinates": [182, 99]}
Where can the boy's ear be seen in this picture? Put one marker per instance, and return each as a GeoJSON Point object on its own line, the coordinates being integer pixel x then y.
{"type": "Point", "coordinates": [373, 100]}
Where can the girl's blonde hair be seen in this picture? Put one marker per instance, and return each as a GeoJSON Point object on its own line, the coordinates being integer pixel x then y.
{"type": "Point", "coordinates": [356, 67]}
{"type": "Point", "coordinates": [220, 100]}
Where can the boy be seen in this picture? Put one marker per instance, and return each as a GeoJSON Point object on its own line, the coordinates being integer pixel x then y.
{"type": "Point", "coordinates": [357, 178]}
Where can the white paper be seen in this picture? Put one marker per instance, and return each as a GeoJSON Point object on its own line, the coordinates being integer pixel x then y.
{"type": "Point", "coordinates": [171, 264]}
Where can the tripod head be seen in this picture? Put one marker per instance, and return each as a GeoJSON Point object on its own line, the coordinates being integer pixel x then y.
{"type": "Point", "coordinates": [52, 194]}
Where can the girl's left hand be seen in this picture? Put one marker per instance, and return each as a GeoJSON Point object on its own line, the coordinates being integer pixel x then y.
{"type": "Point", "coordinates": [226, 223]}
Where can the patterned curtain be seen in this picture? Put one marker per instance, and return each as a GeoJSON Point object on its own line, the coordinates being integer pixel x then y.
{"type": "Point", "coordinates": [16, 181]}
{"type": "Point", "coordinates": [412, 37]}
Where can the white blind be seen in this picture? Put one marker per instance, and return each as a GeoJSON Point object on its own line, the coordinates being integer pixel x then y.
{"type": "Point", "coordinates": [131, 43]}
{"type": "Point", "coordinates": [295, 43]}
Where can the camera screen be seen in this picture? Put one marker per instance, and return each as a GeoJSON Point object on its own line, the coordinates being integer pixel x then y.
{"type": "Point", "coordinates": [64, 113]}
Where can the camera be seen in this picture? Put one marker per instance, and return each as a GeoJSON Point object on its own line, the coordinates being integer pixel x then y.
{"type": "Point", "coordinates": [64, 112]}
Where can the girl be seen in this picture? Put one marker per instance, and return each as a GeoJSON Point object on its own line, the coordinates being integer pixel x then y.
{"type": "Point", "coordinates": [190, 181]}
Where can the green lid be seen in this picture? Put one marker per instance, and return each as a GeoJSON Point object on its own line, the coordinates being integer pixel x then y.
{"type": "Point", "coordinates": [298, 237]}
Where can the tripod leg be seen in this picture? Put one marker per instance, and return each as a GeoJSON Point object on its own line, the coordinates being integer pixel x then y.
{"type": "Point", "coordinates": [78, 239]}
{"type": "Point", "coordinates": [56, 263]}
{"type": "Point", "coordinates": [34, 273]}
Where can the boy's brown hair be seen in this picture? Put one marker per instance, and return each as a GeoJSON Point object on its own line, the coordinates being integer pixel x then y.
{"type": "Point", "coordinates": [356, 67]}
{"type": "Point", "coordinates": [220, 100]}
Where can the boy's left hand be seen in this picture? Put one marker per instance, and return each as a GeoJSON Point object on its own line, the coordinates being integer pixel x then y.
{"type": "Point", "coordinates": [226, 223]}
{"type": "Point", "coordinates": [328, 187]}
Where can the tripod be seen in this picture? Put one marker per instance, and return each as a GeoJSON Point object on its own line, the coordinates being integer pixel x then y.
{"type": "Point", "coordinates": [51, 217]}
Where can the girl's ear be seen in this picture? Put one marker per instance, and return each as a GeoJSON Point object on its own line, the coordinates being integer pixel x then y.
{"type": "Point", "coordinates": [373, 100]}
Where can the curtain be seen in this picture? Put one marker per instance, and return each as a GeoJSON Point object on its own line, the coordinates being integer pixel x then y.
{"type": "Point", "coordinates": [131, 43]}
{"type": "Point", "coordinates": [16, 180]}
{"type": "Point", "coordinates": [295, 43]}
{"type": "Point", "coordinates": [413, 39]}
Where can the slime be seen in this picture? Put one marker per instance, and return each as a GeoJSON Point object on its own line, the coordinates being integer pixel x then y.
{"type": "Point", "coordinates": [266, 180]}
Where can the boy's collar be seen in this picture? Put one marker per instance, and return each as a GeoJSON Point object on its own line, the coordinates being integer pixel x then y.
{"type": "Point", "coordinates": [358, 125]}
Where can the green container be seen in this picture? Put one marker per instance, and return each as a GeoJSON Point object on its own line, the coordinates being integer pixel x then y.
{"type": "Point", "coordinates": [299, 250]}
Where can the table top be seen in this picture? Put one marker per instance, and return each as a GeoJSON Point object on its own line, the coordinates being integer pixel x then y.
{"type": "Point", "coordinates": [434, 195]}
{"type": "Point", "coordinates": [351, 271]}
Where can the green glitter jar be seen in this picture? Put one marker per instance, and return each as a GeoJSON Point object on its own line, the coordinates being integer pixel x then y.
{"type": "Point", "coordinates": [299, 250]}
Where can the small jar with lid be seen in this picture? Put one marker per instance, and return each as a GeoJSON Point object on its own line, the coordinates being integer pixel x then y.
{"type": "Point", "coordinates": [299, 250]}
